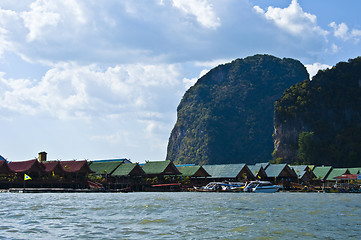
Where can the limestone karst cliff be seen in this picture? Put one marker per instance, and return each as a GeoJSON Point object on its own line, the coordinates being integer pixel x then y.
{"type": "Point", "coordinates": [227, 116]}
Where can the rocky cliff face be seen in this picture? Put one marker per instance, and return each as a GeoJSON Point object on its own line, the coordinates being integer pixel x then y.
{"type": "Point", "coordinates": [327, 110]}
{"type": "Point", "coordinates": [227, 116]}
{"type": "Point", "coordinates": [285, 135]}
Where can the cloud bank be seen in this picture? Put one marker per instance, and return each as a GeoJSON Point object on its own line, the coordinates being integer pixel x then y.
{"type": "Point", "coordinates": [70, 91]}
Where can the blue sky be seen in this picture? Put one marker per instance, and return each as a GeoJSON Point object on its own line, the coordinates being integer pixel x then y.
{"type": "Point", "coordinates": [102, 79]}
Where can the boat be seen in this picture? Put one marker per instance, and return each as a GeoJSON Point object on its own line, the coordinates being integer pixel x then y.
{"type": "Point", "coordinates": [261, 187]}
{"type": "Point", "coordinates": [237, 186]}
{"type": "Point", "coordinates": [163, 187]}
{"type": "Point", "coordinates": [222, 187]}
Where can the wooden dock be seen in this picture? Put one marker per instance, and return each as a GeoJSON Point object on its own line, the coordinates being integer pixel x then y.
{"type": "Point", "coordinates": [49, 190]}
{"type": "Point", "coordinates": [62, 190]}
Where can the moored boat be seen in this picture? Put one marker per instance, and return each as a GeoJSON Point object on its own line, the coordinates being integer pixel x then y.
{"type": "Point", "coordinates": [222, 187]}
{"type": "Point", "coordinates": [261, 187]}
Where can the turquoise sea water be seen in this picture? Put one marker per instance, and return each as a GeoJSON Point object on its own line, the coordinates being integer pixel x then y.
{"type": "Point", "coordinates": [183, 215]}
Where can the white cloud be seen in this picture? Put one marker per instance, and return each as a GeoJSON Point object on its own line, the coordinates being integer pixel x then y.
{"type": "Point", "coordinates": [114, 32]}
{"type": "Point", "coordinates": [4, 43]}
{"type": "Point", "coordinates": [40, 17]}
{"type": "Point", "coordinates": [259, 10]}
{"type": "Point", "coordinates": [69, 91]}
{"type": "Point", "coordinates": [46, 14]}
{"type": "Point", "coordinates": [356, 33]}
{"type": "Point", "coordinates": [201, 9]}
{"type": "Point", "coordinates": [108, 32]}
{"type": "Point", "coordinates": [293, 20]}
{"type": "Point", "coordinates": [112, 139]}
{"type": "Point", "coordinates": [334, 48]}
{"type": "Point", "coordinates": [6, 17]}
{"type": "Point", "coordinates": [342, 31]}
{"type": "Point", "coordinates": [315, 67]}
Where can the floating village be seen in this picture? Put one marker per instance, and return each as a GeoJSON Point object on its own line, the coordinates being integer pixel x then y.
{"type": "Point", "coordinates": [121, 175]}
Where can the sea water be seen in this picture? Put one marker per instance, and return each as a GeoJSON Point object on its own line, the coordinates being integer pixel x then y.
{"type": "Point", "coordinates": [182, 215]}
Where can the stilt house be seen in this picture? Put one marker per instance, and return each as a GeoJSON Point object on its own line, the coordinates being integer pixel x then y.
{"type": "Point", "coordinates": [128, 175]}
{"type": "Point", "coordinates": [196, 174]}
{"type": "Point", "coordinates": [164, 171]}
{"type": "Point", "coordinates": [304, 173]}
{"type": "Point", "coordinates": [76, 173]}
{"type": "Point", "coordinates": [258, 170]}
{"type": "Point", "coordinates": [281, 174]}
{"type": "Point", "coordinates": [4, 168]}
{"type": "Point", "coordinates": [228, 172]}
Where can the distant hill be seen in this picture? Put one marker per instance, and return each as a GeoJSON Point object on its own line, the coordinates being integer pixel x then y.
{"type": "Point", "coordinates": [319, 121]}
{"type": "Point", "coordinates": [227, 116]}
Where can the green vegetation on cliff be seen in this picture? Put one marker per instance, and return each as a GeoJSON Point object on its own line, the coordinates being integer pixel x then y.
{"type": "Point", "coordinates": [227, 116]}
{"type": "Point", "coordinates": [327, 115]}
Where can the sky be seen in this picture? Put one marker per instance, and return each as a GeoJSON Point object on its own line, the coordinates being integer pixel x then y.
{"type": "Point", "coordinates": [86, 79]}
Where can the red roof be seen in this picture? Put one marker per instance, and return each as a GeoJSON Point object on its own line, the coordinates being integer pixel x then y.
{"type": "Point", "coordinates": [347, 177]}
{"type": "Point", "coordinates": [75, 166]}
{"type": "Point", "coordinates": [50, 166]}
{"type": "Point", "coordinates": [24, 166]}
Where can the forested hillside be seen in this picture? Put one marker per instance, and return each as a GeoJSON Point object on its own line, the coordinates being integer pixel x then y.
{"type": "Point", "coordinates": [319, 121]}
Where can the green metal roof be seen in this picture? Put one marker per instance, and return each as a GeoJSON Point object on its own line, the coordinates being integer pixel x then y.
{"type": "Point", "coordinates": [127, 168]}
{"type": "Point", "coordinates": [300, 170]}
{"type": "Point", "coordinates": [311, 167]}
{"type": "Point", "coordinates": [224, 170]}
{"type": "Point", "coordinates": [336, 172]}
{"type": "Point", "coordinates": [190, 171]}
{"type": "Point", "coordinates": [354, 170]}
{"type": "Point", "coordinates": [264, 165]}
{"type": "Point", "coordinates": [123, 160]}
{"type": "Point", "coordinates": [299, 167]}
{"type": "Point", "coordinates": [104, 167]}
{"type": "Point", "coordinates": [322, 172]}
{"type": "Point", "coordinates": [255, 169]}
{"type": "Point", "coordinates": [160, 167]}
{"type": "Point", "coordinates": [274, 170]}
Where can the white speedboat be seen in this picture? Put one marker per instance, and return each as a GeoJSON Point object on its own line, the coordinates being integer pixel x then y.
{"type": "Point", "coordinates": [261, 187]}
{"type": "Point", "coordinates": [222, 187]}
